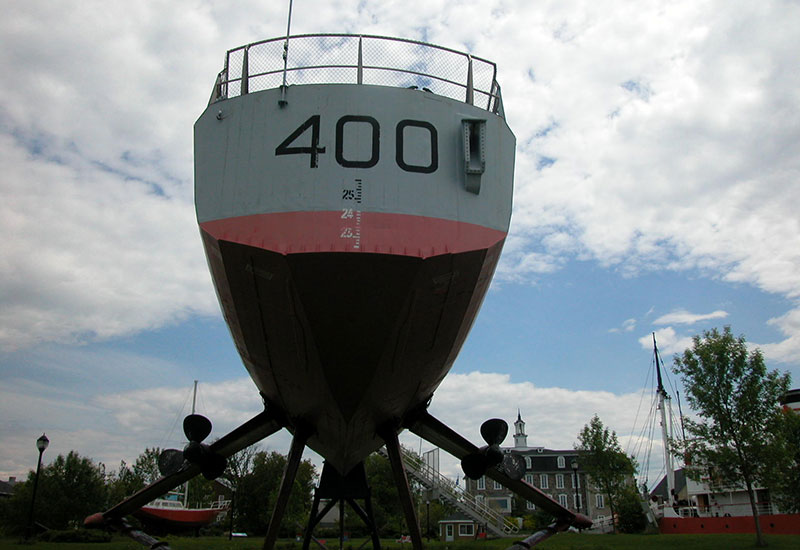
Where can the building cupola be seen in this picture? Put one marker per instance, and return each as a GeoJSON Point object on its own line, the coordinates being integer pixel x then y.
{"type": "Point", "coordinates": [520, 438]}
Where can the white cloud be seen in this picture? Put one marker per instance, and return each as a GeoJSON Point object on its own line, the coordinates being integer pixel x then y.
{"type": "Point", "coordinates": [114, 427]}
{"type": "Point", "coordinates": [669, 341]}
{"type": "Point", "coordinates": [683, 317]}
{"type": "Point", "coordinates": [89, 255]}
{"type": "Point", "coordinates": [787, 350]}
{"type": "Point", "coordinates": [672, 129]}
{"type": "Point", "coordinates": [627, 326]}
{"type": "Point", "coordinates": [658, 138]}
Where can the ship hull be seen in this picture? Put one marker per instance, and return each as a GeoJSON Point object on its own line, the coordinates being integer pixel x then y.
{"type": "Point", "coordinates": [349, 277]}
{"type": "Point", "coordinates": [777, 524]}
{"type": "Point", "coordinates": [179, 518]}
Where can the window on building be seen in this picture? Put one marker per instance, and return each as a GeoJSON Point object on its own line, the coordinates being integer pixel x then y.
{"type": "Point", "coordinates": [559, 481]}
{"type": "Point", "coordinates": [578, 503]}
{"type": "Point", "coordinates": [481, 483]}
{"type": "Point", "coordinates": [561, 462]}
{"type": "Point", "coordinates": [480, 499]}
{"type": "Point", "coordinates": [576, 481]}
{"type": "Point", "coordinates": [529, 479]}
{"type": "Point", "coordinates": [562, 500]}
{"type": "Point", "coordinates": [497, 486]}
{"type": "Point", "coordinates": [528, 462]}
{"type": "Point", "coordinates": [543, 481]}
{"type": "Point", "coordinates": [531, 506]}
{"type": "Point", "coordinates": [500, 504]}
{"type": "Point", "coordinates": [599, 501]}
{"type": "Point", "coordinates": [466, 529]}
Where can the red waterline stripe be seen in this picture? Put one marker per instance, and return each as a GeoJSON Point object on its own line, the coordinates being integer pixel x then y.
{"type": "Point", "coordinates": [375, 232]}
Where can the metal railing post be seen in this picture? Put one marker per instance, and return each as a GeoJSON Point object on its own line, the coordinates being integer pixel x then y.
{"type": "Point", "coordinates": [360, 74]}
{"type": "Point", "coordinates": [470, 89]}
{"type": "Point", "coordinates": [245, 70]}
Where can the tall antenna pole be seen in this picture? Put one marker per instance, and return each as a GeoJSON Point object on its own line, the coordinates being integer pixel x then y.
{"type": "Point", "coordinates": [662, 397]}
{"type": "Point", "coordinates": [282, 102]}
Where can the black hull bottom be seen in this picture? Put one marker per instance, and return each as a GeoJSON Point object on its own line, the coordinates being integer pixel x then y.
{"type": "Point", "coordinates": [345, 342]}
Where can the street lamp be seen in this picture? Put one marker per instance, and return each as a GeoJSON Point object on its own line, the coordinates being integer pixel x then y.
{"type": "Point", "coordinates": [428, 519]}
{"type": "Point", "coordinates": [41, 444]}
{"type": "Point", "coordinates": [574, 465]}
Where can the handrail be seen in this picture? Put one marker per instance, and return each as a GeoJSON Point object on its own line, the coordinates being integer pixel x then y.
{"type": "Point", "coordinates": [711, 510]}
{"type": "Point", "coordinates": [455, 494]}
{"type": "Point", "coordinates": [328, 58]}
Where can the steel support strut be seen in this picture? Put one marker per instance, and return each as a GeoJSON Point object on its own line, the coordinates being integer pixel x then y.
{"type": "Point", "coordinates": [338, 489]}
{"type": "Point", "coordinates": [540, 536]}
{"type": "Point", "coordinates": [289, 474]}
{"type": "Point", "coordinates": [389, 436]}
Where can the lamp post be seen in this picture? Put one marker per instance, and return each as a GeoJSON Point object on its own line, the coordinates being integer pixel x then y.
{"type": "Point", "coordinates": [574, 465]}
{"type": "Point", "coordinates": [41, 444]}
{"type": "Point", "coordinates": [428, 519]}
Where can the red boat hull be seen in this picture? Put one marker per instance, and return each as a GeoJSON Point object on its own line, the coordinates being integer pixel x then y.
{"type": "Point", "coordinates": [776, 524]}
{"type": "Point", "coordinates": [178, 517]}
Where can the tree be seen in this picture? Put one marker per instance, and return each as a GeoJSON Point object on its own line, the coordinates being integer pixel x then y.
{"type": "Point", "coordinates": [122, 483]}
{"type": "Point", "coordinates": [386, 507]}
{"type": "Point", "coordinates": [736, 399]}
{"type": "Point", "coordinates": [632, 518]}
{"type": "Point", "coordinates": [784, 478]}
{"type": "Point", "coordinates": [70, 488]}
{"type": "Point", "coordinates": [609, 469]}
{"type": "Point", "coordinates": [257, 491]}
{"type": "Point", "coordinates": [146, 465]}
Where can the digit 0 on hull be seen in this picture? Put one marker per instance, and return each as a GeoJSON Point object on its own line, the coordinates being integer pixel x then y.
{"type": "Point", "coordinates": [352, 228]}
{"type": "Point", "coordinates": [352, 203]}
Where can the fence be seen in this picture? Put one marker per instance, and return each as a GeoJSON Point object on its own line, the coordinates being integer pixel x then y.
{"type": "Point", "coordinates": [359, 59]}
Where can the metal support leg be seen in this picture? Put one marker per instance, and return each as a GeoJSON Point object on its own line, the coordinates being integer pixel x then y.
{"type": "Point", "coordinates": [367, 517]}
{"type": "Point", "coordinates": [389, 436]}
{"type": "Point", "coordinates": [341, 525]}
{"type": "Point", "coordinates": [539, 536]}
{"type": "Point", "coordinates": [289, 473]}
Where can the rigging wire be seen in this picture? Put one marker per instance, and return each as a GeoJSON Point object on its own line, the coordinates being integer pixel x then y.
{"type": "Point", "coordinates": [636, 417]}
{"type": "Point", "coordinates": [178, 418]}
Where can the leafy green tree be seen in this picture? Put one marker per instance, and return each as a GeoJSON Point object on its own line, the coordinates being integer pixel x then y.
{"type": "Point", "coordinates": [125, 481]}
{"type": "Point", "coordinates": [386, 507]}
{"type": "Point", "coordinates": [784, 478]}
{"type": "Point", "coordinates": [632, 518]}
{"type": "Point", "coordinates": [146, 465]}
{"type": "Point", "coordinates": [736, 399]}
{"type": "Point", "coordinates": [240, 464]}
{"type": "Point", "coordinates": [609, 469]}
{"type": "Point", "coordinates": [70, 488]}
{"type": "Point", "coordinates": [122, 483]}
{"type": "Point", "coordinates": [257, 491]}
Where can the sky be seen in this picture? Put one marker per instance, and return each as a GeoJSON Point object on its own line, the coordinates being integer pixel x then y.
{"type": "Point", "coordinates": [656, 190]}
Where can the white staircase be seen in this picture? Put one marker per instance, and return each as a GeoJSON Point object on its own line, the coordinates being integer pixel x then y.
{"type": "Point", "coordinates": [448, 491]}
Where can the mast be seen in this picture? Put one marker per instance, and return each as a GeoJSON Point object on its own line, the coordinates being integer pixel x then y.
{"type": "Point", "coordinates": [194, 394]}
{"type": "Point", "coordinates": [186, 485]}
{"type": "Point", "coordinates": [662, 397]}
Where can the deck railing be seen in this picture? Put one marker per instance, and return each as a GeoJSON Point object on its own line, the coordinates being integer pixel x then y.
{"type": "Point", "coordinates": [359, 59]}
{"type": "Point", "coordinates": [449, 491]}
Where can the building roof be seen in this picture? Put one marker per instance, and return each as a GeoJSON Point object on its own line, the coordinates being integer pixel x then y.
{"type": "Point", "coordinates": [457, 517]}
{"type": "Point", "coordinates": [6, 489]}
{"type": "Point", "coordinates": [660, 490]}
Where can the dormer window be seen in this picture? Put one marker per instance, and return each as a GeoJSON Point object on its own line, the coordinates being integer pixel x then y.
{"type": "Point", "coordinates": [562, 462]}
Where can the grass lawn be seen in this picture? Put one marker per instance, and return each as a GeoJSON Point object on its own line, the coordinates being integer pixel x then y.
{"type": "Point", "coordinates": [564, 541]}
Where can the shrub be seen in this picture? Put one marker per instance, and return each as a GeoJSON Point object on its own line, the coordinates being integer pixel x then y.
{"type": "Point", "coordinates": [75, 535]}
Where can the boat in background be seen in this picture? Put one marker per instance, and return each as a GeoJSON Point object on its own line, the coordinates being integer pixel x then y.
{"type": "Point", "coordinates": [682, 505]}
{"type": "Point", "coordinates": [173, 512]}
